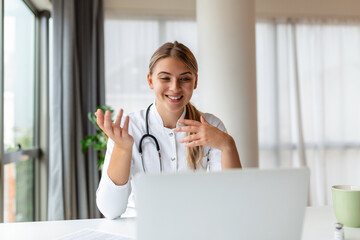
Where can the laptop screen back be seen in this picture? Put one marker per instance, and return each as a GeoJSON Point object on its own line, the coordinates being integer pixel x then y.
{"type": "Point", "coordinates": [232, 204]}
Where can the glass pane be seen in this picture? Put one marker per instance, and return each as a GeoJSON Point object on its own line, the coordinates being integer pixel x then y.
{"type": "Point", "coordinates": [18, 75]}
{"type": "Point", "coordinates": [19, 191]}
{"type": "Point", "coordinates": [19, 65]}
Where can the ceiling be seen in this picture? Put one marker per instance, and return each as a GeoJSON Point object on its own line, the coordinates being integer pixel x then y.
{"type": "Point", "coordinates": [42, 4]}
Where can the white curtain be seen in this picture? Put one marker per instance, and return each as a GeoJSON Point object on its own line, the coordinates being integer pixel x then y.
{"type": "Point", "coordinates": [308, 75]}
{"type": "Point", "coordinates": [322, 58]}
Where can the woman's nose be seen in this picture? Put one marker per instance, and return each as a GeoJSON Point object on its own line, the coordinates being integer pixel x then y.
{"type": "Point", "coordinates": [174, 85]}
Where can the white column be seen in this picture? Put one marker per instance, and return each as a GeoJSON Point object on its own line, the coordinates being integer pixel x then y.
{"type": "Point", "coordinates": [227, 70]}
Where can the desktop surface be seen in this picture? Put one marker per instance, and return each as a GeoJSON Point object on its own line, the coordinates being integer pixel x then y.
{"type": "Point", "coordinates": [318, 225]}
{"type": "Point", "coordinates": [50, 230]}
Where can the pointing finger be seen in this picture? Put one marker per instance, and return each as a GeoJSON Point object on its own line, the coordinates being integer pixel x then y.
{"type": "Point", "coordinates": [189, 122]}
{"type": "Point", "coordinates": [192, 129]}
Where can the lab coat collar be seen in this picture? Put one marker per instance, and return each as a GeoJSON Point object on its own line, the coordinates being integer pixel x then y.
{"type": "Point", "coordinates": [159, 119]}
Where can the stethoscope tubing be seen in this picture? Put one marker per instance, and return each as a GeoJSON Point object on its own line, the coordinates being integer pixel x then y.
{"type": "Point", "coordinates": [148, 135]}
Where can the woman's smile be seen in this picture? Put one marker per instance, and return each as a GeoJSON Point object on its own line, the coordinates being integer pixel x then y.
{"type": "Point", "coordinates": [174, 99]}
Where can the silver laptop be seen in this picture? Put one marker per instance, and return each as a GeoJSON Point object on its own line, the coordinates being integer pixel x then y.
{"type": "Point", "coordinates": [234, 204]}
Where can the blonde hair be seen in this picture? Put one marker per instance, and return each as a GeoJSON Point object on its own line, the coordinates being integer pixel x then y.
{"type": "Point", "coordinates": [181, 52]}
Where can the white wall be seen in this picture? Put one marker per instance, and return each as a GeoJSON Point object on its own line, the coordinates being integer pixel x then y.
{"type": "Point", "coordinates": [308, 8]}
{"type": "Point", "coordinates": [150, 7]}
{"type": "Point", "coordinates": [264, 8]}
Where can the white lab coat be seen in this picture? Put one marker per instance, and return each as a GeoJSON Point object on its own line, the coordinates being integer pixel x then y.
{"type": "Point", "coordinates": [113, 200]}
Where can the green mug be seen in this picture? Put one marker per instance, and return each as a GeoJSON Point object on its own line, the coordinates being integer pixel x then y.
{"type": "Point", "coordinates": [346, 199]}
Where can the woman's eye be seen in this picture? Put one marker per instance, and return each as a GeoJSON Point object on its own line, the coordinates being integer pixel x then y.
{"type": "Point", "coordinates": [185, 79]}
{"type": "Point", "coordinates": [165, 78]}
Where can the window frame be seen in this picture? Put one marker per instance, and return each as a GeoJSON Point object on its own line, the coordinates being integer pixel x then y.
{"type": "Point", "coordinates": [1, 111]}
{"type": "Point", "coordinates": [41, 95]}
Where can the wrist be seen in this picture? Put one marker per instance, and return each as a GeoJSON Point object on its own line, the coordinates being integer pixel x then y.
{"type": "Point", "coordinates": [122, 148]}
{"type": "Point", "coordinates": [229, 144]}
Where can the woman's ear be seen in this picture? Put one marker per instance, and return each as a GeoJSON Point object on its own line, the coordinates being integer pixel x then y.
{"type": "Point", "coordinates": [196, 81]}
{"type": "Point", "coordinates": [150, 81]}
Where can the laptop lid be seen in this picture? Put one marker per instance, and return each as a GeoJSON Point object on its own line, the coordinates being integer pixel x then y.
{"type": "Point", "coordinates": [232, 204]}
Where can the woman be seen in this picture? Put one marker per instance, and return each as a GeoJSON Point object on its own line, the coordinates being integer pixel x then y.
{"type": "Point", "coordinates": [181, 138]}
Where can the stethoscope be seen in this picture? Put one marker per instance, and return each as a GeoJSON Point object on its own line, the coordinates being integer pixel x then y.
{"type": "Point", "coordinates": [150, 136]}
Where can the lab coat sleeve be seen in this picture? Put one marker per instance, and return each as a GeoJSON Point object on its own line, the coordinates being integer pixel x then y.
{"type": "Point", "coordinates": [214, 155]}
{"type": "Point", "coordinates": [111, 199]}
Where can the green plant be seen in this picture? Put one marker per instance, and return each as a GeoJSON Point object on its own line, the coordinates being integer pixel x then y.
{"type": "Point", "coordinates": [97, 141]}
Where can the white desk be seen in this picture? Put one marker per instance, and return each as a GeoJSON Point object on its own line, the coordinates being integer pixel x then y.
{"type": "Point", "coordinates": [54, 229]}
{"type": "Point", "coordinates": [318, 225]}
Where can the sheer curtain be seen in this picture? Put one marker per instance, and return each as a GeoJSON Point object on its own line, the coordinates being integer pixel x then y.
{"type": "Point", "coordinates": [308, 75]}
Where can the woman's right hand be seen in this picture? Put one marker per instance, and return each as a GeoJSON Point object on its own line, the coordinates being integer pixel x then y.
{"type": "Point", "coordinates": [121, 137]}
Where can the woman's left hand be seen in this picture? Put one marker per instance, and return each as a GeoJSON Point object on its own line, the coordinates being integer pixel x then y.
{"type": "Point", "coordinates": [204, 134]}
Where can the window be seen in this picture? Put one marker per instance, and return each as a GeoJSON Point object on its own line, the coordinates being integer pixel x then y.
{"type": "Point", "coordinates": [328, 63]}
{"type": "Point", "coordinates": [19, 46]}
{"type": "Point", "coordinates": [21, 112]}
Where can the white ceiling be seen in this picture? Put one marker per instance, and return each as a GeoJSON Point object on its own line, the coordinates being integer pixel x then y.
{"type": "Point", "coordinates": [42, 4]}
{"type": "Point", "coordinates": [285, 8]}
{"type": "Point", "coordinates": [264, 8]}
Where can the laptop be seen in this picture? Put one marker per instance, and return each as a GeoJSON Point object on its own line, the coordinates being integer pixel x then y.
{"type": "Point", "coordinates": [232, 204]}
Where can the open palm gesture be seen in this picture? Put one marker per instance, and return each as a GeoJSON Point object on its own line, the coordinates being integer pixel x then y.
{"type": "Point", "coordinates": [120, 136]}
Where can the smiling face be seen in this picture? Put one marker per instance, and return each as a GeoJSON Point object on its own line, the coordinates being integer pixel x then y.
{"type": "Point", "coordinates": [173, 84]}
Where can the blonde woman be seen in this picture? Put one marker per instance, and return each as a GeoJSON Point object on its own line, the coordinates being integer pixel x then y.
{"type": "Point", "coordinates": [170, 135]}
